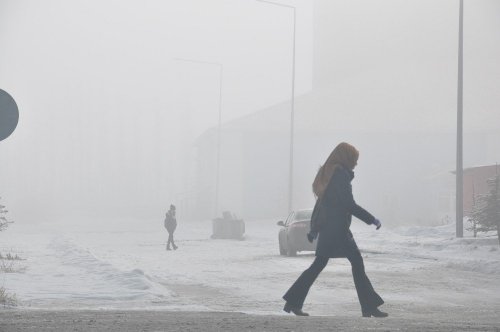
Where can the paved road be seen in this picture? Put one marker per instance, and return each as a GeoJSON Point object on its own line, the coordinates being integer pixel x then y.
{"type": "Point", "coordinates": [427, 319]}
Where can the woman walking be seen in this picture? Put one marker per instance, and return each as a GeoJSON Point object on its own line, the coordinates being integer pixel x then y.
{"type": "Point", "coordinates": [335, 206]}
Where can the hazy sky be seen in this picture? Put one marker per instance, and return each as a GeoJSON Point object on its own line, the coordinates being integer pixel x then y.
{"type": "Point", "coordinates": [108, 116]}
{"type": "Point", "coordinates": [99, 89]}
{"type": "Point", "coordinates": [126, 50]}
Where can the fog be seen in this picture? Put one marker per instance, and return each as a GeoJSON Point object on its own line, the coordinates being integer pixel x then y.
{"type": "Point", "coordinates": [114, 123]}
{"type": "Point", "coordinates": [108, 117]}
{"type": "Point", "coordinates": [127, 107]}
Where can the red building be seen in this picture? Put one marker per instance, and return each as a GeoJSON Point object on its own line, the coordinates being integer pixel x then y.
{"type": "Point", "coordinates": [476, 183]}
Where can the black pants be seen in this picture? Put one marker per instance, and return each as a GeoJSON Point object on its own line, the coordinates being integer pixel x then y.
{"type": "Point", "coordinates": [170, 240]}
{"type": "Point", "coordinates": [367, 296]}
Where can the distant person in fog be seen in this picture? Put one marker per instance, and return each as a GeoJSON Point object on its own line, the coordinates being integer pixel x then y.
{"type": "Point", "coordinates": [171, 224]}
{"type": "Point", "coordinates": [335, 207]}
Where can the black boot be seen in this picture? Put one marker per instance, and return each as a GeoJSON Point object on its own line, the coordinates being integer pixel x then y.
{"type": "Point", "coordinates": [375, 313]}
{"type": "Point", "coordinates": [296, 311]}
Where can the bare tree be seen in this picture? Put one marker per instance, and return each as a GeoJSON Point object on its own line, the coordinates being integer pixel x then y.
{"type": "Point", "coordinates": [473, 219]}
{"type": "Point", "coordinates": [4, 222]}
{"type": "Point", "coordinates": [487, 210]}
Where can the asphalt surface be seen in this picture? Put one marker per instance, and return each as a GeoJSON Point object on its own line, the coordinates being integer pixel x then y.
{"type": "Point", "coordinates": [426, 319]}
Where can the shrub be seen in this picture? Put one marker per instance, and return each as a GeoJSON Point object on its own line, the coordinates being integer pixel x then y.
{"type": "Point", "coordinates": [7, 299]}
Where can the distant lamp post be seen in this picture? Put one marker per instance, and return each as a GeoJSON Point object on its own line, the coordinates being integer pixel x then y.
{"type": "Point", "coordinates": [292, 111]}
{"type": "Point", "coordinates": [459, 174]}
{"type": "Point", "coordinates": [217, 172]}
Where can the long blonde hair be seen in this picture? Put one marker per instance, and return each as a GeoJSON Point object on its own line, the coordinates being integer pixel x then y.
{"type": "Point", "coordinates": [344, 155]}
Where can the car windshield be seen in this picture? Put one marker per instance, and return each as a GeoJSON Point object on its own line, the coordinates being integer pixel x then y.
{"type": "Point", "coordinates": [302, 215]}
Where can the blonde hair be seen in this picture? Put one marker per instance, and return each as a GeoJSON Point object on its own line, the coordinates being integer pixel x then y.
{"type": "Point", "coordinates": [344, 155]}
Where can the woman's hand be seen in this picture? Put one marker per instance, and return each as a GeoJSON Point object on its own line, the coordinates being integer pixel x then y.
{"type": "Point", "coordinates": [311, 236]}
{"type": "Point", "coordinates": [377, 223]}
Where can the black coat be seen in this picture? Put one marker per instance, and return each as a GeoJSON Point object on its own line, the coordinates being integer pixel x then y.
{"type": "Point", "coordinates": [170, 223]}
{"type": "Point", "coordinates": [338, 206]}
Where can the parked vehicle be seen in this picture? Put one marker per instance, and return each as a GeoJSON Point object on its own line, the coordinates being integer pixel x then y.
{"type": "Point", "coordinates": [228, 227]}
{"type": "Point", "coordinates": [292, 236]}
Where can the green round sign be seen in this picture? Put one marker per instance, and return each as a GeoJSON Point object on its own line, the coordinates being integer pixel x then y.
{"type": "Point", "coordinates": [9, 115]}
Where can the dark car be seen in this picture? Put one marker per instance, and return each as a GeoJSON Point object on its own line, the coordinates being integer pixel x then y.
{"type": "Point", "coordinates": [293, 233]}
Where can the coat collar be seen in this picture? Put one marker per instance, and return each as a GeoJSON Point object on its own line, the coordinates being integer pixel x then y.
{"type": "Point", "coordinates": [349, 172]}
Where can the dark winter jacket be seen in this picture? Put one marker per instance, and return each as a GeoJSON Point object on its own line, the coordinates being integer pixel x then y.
{"type": "Point", "coordinates": [170, 223]}
{"type": "Point", "coordinates": [335, 239]}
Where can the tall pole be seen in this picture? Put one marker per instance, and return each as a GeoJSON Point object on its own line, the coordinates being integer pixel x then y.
{"type": "Point", "coordinates": [217, 168]}
{"type": "Point", "coordinates": [217, 172]}
{"type": "Point", "coordinates": [292, 106]}
{"type": "Point", "coordinates": [292, 120]}
{"type": "Point", "coordinates": [459, 170]}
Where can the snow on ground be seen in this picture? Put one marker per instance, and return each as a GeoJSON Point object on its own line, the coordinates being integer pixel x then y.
{"type": "Point", "coordinates": [127, 267]}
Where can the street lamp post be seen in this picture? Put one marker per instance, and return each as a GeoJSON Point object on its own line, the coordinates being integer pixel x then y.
{"type": "Point", "coordinates": [217, 171]}
{"type": "Point", "coordinates": [292, 111]}
{"type": "Point", "coordinates": [459, 173]}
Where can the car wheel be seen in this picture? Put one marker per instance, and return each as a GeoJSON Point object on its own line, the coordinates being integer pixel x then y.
{"type": "Point", "coordinates": [282, 250]}
{"type": "Point", "coordinates": [291, 251]}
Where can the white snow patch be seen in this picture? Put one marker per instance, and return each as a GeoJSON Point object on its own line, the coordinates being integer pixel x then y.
{"type": "Point", "coordinates": [104, 268]}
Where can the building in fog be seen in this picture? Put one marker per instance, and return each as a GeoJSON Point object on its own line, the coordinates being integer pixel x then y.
{"type": "Point", "coordinates": [392, 100]}
{"type": "Point", "coordinates": [401, 177]}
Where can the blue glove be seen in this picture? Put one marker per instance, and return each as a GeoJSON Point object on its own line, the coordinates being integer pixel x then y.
{"type": "Point", "coordinates": [377, 223]}
{"type": "Point", "coordinates": [311, 236]}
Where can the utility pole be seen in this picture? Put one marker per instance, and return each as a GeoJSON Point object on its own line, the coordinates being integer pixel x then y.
{"type": "Point", "coordinates": [459, 171]}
